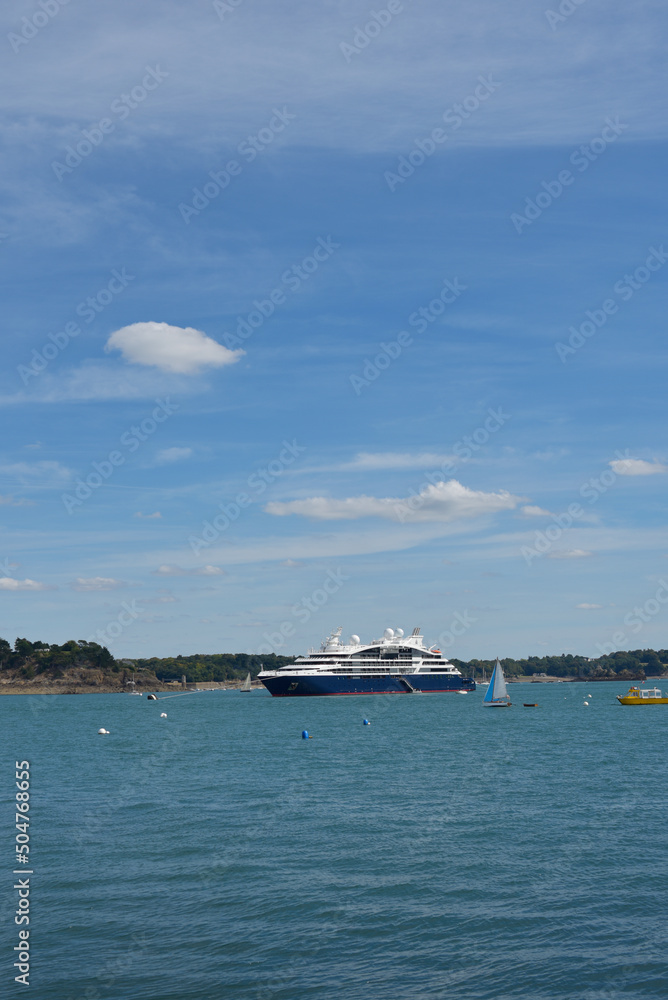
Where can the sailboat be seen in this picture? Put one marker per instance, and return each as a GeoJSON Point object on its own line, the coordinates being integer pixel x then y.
{"type": "Point", "coordinates": [246, 686]}
{"type": "Point", "coordinates": [496, 695]}
{"type": "Point", "coordinates": [133, 686]}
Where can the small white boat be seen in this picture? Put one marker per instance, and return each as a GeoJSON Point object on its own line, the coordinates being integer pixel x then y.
{"type": "Point", "coordinates": [133, 687]}
{"type": "Point", "coordinates": [496, 695]}
{"type": "Point", "coordinates": [246, 686]}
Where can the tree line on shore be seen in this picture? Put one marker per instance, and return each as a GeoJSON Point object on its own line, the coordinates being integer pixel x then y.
{"type": "Point", "coordinates": [634, 664]}
{"type": "Point", "coordinates": [28, 659]}
{"type": "Point", "coordinates": [201, 667]}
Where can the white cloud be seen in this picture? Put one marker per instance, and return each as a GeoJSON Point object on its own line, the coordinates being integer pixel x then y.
{"type": "Point", "coordinates": [172, 455]}
{"type": "Point", "coordinates": [532, 511]}
{"type": "Point", "coordinates": [441, 502]}
{"type": "Point", "coordinates": [148, 517]}
{"type": "Point", "coordinates": [589, 607]}
{"type": "Point", "coordinates": [100, 380]}
{"type": "Point", "coordinates": [181, 350]}
{"type": "Point", "coordinates": [359, 539]}
{"type": "Point", "coordinates": [397, 460]}
{"type": "Point", "coordinates": [551, 455]}
{"type": "Point", "coordinates": [292, 563]}
{"type": "Point", "coordinates": [417, 68]}
{"type": "Point", "coordinates": [8, 583]}
{"type": "Point", "coordinates": [6, 501]}
{"type": "Point", "coordinates": [570, 554]}
{"type": "Point", "coordinates": [173, 570]}
{"type": "Point", "coordinates": [27, 472]}
{"type": "Point", "coordinates": [165, 598]}
{"type": "Point", "coordinates": [636, 467]}
{"type": "Point", "coordinates": [96, 583]}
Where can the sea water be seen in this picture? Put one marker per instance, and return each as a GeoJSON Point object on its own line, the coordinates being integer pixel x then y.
{"type": "Point", "coordinates": [446, 850]}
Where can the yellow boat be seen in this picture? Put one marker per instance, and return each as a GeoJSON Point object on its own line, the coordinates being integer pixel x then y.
{"type": "Point", "coordinates": [642, 696]}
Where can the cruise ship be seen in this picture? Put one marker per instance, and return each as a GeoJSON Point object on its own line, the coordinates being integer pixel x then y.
{"type": "Point", "coordinates": [395, 664]}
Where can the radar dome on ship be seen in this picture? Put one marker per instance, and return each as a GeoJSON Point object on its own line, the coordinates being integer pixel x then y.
{"type": "Point", "coordinates": [354, 640]}
{"type": "Point", "coordinates": [389, 633]}
{"type": "Point", "coordinates": [399, 633]}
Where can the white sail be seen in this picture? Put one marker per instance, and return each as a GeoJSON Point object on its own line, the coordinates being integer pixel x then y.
{"type": "Point", "coordinates": [496, 693]}
{"type": "Point", "coordinates": [499, 690]}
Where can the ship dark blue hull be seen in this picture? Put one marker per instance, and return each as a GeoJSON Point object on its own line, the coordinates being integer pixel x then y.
{"type": "Point", "coordinates": [331, 684]}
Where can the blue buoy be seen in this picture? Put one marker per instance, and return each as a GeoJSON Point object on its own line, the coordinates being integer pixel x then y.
{"type": "Point", "coordinates": [366, 722]}
{"type": "Point", "coordinates": [305, 735]}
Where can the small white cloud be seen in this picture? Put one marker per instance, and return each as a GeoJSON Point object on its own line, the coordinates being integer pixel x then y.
{"type": "Point", "coordinates": [167, 570]}
{"type": "Point", "coordinates": [182, 350]}
{"type": "Point", "coordinates": [172, 455]}
{"type": "Point", "coordinates": [532, 511]}
{"type": "Point", "coordinates": [636, 467]}
{"type": "Point", "coordinates": [8, 583]}
{"type": "Point", "coordinates": [292, 563]}
{"type": "Point", "coordinates": [148, 517]}
{"type": "Point", "coordinates": [589, 607]}
{"type": "Point", "coordinates": [550, 455]}
{"type": "Point", "coordinates": [570, 554]}
{"type": "Point", "coordinates": [96, 583]}
{"type": "Point", "coordinates": [441, 502]}
{"type": "Point", "coordinates": [365, 460]}
{"type": "Point", "coordinates": [13, 502]}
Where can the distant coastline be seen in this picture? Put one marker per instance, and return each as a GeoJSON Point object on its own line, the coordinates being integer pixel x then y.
{"type": "Point", "coordinates": [80, 667]}
{"type": "Point", "coordinates": [107, 686]}
{"type": "Point", "coordinates": [106, 682]}
{"type": "Point", "coordinates": [38, 688]}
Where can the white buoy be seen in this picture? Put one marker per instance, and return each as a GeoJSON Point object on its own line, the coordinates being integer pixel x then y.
{"type": "Point", "coordinates": [163, 715]}
{"type": "Point", "coordinates": [103, 732]}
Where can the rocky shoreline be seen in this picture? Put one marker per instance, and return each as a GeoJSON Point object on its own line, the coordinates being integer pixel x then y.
{"type": "Point", "coordinates": [65, 685]}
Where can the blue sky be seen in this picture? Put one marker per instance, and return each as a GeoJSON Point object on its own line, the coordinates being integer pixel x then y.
{"type": "Point", "coordinates": [402, 363]}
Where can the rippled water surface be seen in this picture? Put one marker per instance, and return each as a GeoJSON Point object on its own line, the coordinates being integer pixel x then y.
{"type": "Point", "coordinates": [444, 851]}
